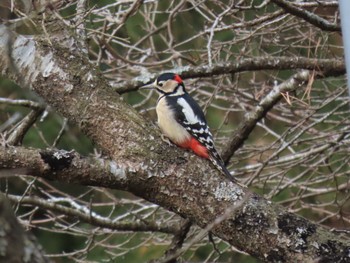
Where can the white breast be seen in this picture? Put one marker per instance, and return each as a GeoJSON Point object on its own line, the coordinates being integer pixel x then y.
{"type": "Point", "coordinates": [168, 124]}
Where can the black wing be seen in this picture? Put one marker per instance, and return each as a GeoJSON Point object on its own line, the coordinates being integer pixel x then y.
{"type": "Point", "coordinates": [196, 125]}
{"type": "Point", "coordinates": [194, 122]}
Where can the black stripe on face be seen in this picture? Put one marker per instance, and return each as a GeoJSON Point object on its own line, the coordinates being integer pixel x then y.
{"type": "Point", "coordinates": [160, 91]}
{"type": "Point", "coordinates": [177, 88]}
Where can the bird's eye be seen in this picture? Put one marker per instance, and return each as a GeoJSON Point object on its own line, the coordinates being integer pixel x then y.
{"type": "Point", "coordinates": [160, 83]}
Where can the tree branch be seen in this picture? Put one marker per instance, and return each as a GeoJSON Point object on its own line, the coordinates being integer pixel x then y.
{"type": "Point", "coordinates": [307, 16]}
{"type": "Point", "coordinates": [149, 168]}
{"type": "Point", "coordinates": [16, 244]}
{"type": "Point", "coordinates": [95, 219]}
{"type": "Point", "coordinates": [20, 131]}
{"type": "Point", "coordinates": [325, 67]}
{"type": "Point", "coordinates": [253, 117]}
{"type": "Point", "coordinates": [176, 244]}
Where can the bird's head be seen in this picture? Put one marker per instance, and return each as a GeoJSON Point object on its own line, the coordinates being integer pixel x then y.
{"type": "Point", "coordinates": [168, 83]}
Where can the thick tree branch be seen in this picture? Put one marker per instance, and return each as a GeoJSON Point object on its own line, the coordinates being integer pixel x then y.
{"type": "Point", "coordinates": [63, 166]}
{"type": "Point", "coordinates": [71, 167]}
{"type": "Point", "coordinates": [152, 170]}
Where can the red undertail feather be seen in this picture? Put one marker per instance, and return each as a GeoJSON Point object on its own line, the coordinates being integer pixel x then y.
{"type": "Point", "coordinates": [196, 147]}
{"type": "Point", "coordinates": [202, 151]}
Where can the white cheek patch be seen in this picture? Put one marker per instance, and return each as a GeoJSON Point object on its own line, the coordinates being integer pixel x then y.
{"type": "Point", "coordinates": [191, 118]}
{"type": "Point", "coordinates": [169, 86]}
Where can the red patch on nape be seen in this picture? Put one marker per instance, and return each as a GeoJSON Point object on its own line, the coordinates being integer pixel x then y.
{"type": "Point", "coordinates": [196, 147]}
{"type": "Point", "coordinates": [178, 78]}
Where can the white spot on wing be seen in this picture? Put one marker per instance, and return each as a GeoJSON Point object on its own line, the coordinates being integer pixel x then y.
{"type": "Point", "coordinates": [191, 117]}
{"type": "Point", "coordinates": [201, 131]}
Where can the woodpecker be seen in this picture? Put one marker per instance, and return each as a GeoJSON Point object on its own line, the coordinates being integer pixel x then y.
{"type": "Point", "coordinates": [182, 120]}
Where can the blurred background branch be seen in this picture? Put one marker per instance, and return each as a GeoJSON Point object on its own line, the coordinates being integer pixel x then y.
{"type": "Point", "coordinates": [17, 244]}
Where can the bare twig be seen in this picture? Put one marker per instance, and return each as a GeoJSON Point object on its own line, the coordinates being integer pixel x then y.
{"type": "Point", "coordinates": [259, 112]}
{"type": "Point", "coordinates": [307, 16]}
{"type": "Point", "coordinates": [177, 242]}
{"type": "Point", "coordinates": [17, 135]}
{"type": "Point", "coordinates": [327, 67]}
{"type": "Point", "coordinates": [227, 214]}
{"type": "Point", "coordinates": [24, 103]}
{"type": "Point", "coordinates": [93, 218]}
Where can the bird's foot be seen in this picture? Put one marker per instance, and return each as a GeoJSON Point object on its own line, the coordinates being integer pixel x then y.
{"type": "Point", "coordinates": [166, 139]}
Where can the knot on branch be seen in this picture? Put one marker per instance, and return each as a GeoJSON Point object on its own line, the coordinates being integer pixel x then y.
{"type": "Point", "coordinates": [298, 229]}
{"type": "Point", "coordinates": [57, 159]}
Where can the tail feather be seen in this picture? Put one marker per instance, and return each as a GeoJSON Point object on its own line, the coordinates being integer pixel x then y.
{"type": "Point", "coordinates": [219, 164]}
{"type": "Point", "coordinates": [208, 152]}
